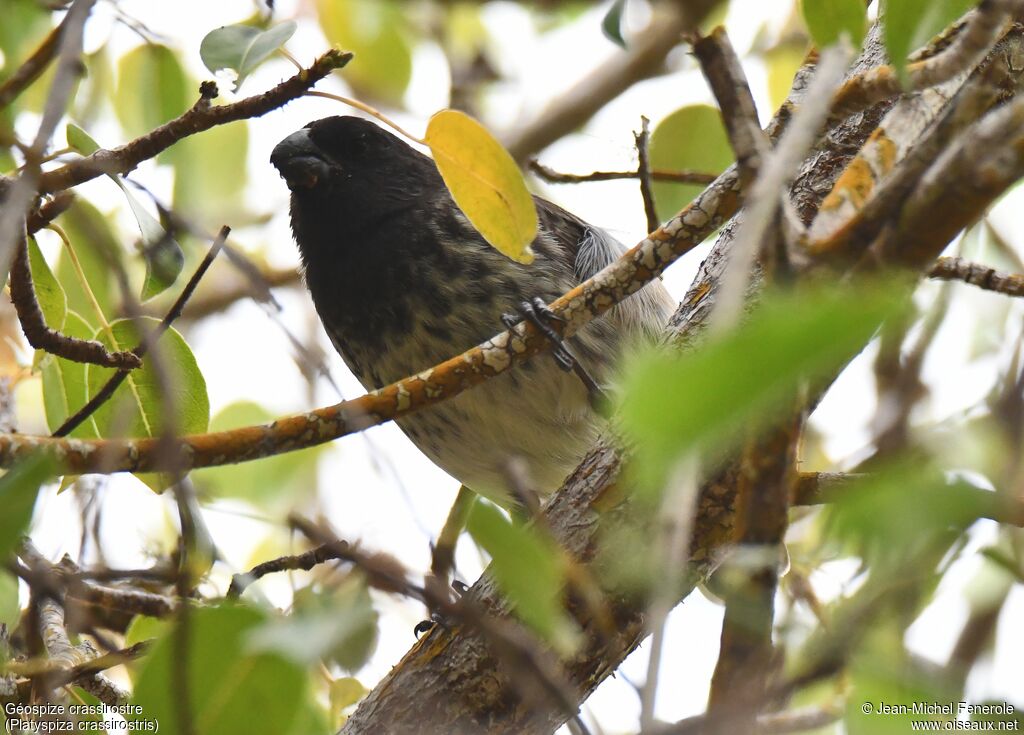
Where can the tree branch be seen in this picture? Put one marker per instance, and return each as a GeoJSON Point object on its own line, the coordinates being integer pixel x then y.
{"type": "Point", "coordinates": [33, 67]}
{"type": "Point", "coordinates": [41, 337]}
{"type": "Point", "coordinates": [972, 43]}
{"type": "Point", "coordinates": [644, 59]}
{"type": "Point", "coordinates": [557, 177]}
{"type": "Point", "coordinates": [982, 276]}
{"type": "Point", "coordinates": [202, 116]}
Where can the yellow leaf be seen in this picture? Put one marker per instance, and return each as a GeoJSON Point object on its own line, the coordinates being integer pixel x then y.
{"type": "Point", "coordinates": [485, 182]}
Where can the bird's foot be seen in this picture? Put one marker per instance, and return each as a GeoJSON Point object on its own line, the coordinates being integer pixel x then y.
{"type": "Point", "coordinates": [424, 626]}
{"type": "Point", "coordinates": [537, 313]}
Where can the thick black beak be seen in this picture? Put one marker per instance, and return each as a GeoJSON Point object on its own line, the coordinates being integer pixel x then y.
{"type": "Point", "coordinates": [299, 161]}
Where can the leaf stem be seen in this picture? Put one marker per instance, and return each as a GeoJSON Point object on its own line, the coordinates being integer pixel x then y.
{"type": "Point", "coordinates": [284, 52]}
{"type": "Point", "coordinates": [80, 273]}
{"type": "Point", "coordinates": [368, 110]}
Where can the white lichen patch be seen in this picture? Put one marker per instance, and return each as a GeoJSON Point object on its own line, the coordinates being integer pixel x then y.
{"type": "Point", "coordinates": [495, 356]}
{"type": "Point", "coordinates": [517, 344]}
{"type": "Point", "coordinates": [403, 401]}
{"type": "Point", "coordinates": [647, 249]}
{"type": "Point", "coordinates": [696, 217]}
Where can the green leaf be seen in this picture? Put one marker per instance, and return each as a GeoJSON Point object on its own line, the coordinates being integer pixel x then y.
{"type": "Point", "coordinates": [80, 141]}
{"type": "Point", "coordinates": [19, 488]}
{"type": "Point", "coordinates": [783, 60]}
{"type": "Point", "coordinates": [64, 386]}
{"type": "Point", "coordinates": [10, 608]}
{"type": "Point", "coordinates": [50, 295]}
{"type": "Point", "coordinates": [227, 681]}
{"type": "Point", "coordinates": [242, 47]}
{"type": "Point", "coordinates": [286, 477]}
{"type": "Point", "coordinates": [25, 24]}
{"type": "Point", "coordinates": [33, 99]}
{"type": "Point", "coordinates": [164, 261]}
{"type": "Point", "coordinates": [829, 20]}
{"type": "Point", "coordinates": [313, 720]}
{"type": "Point", "coordinates": [909, 24]}
{"type": "Point", "coordinates": [345, 692]}
{"type": "Point", "coordinates": [611, 26]}
{"type": "Point", "coordinates": [137, 407]}
{"type": "Point", "coordinates": [146, 628]}
{"type": "Point", "coordinates": [210, 173]}
{"type": "Point", "coordinates": [94, 242]}
{"type": "Point", "coordinates": [152, 88]}
{"type": "Point", "coordinates": [692, 137]}
{"type": "Point", "coordinates": [485, 182]}
{"type": "Point", "coordinates": [528, 570]}
{"type": "Point", "coordinates": [883, 675]}
{"type": "Point", "coordinates": [338, 626]}
{"type": "Point", "coordinates": [870, 514]}
{"type": "Point", "coordinates": [97, 88]}
{"type": "Point", "coordinates": [673, 402]}
{"type": "Point", "coordinates": [162, 253]}
{"type": "Point", "coordinates": [374, 30]}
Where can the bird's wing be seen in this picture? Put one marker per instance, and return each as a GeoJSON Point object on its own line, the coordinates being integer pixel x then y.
{"type": "Point", "coordinates": [587, 250]}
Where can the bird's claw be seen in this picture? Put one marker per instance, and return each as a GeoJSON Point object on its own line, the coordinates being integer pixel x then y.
{"type": "Point", "coordinates": [538, 314]}
{"type": "Point", "coordinates": [425, 626]}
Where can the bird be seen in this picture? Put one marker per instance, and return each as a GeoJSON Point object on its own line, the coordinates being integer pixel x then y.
{"type": "Point", "coordinates": [401, 281]}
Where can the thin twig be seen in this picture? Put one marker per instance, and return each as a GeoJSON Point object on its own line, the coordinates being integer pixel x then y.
{"type": "Point", "coordinates": [724, 73]}
{"type": "Point", "coordinates": [304, 561]}
{"type": "Point", "coordinates": [33, 67]}
{"type": "Point", "coordinates": [59, 674]}
{"type": "Point", "coordinates": [821, 488]}
{"type": "Point", "coordinates": [49, 211]}
{"type": "Point", "coordinates": [774, 723]}
{"type": "Point", "coordinates": [442, 556]}
{"type": "Point", "coordinates": [643, 172]}
{"type": "Point", "coordinates": [645, 58]}
{"type": "Point", "coordinates": [511, 642]}
{"type": "Point", "coordinates": [104, 393]}
{"type": "Point", "coordinates": [202, 116]}
{"type": "Point", "coordinates": [982, 276]}
{"type": "Point", "coordinates": [684, 176]}
{"type": "Point", "coordinates": [676, 515]}
{"type": "Point", "coordinates": [211, 301]}
{"type": "Point", "coordinates": [774, 177]}
{"type": "Point", "coordinates": [42, 337]}
{"type": "Point", "coordinates": [19, 198]}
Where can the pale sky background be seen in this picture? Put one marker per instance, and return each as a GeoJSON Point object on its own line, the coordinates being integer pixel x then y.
{"type": "Point", "coordinates": [244, 355]}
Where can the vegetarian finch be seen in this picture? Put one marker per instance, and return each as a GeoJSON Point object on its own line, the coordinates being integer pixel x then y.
{"type": "Point", "coordinates": [402, 281]}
